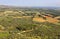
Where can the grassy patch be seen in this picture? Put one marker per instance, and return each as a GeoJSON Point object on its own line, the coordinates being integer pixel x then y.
{"type": "Point", "coordinates": [4, 34]}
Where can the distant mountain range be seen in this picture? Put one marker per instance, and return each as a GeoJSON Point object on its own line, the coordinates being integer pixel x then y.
{"type": "Point", "coordinates": [7, 6]}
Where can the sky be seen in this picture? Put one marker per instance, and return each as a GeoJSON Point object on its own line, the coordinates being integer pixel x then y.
{"type": "Point", "coordinates": [38, 3]}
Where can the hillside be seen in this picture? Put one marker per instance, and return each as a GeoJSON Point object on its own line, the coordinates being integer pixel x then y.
{"type": "Point", "coordinates": [29, 23]}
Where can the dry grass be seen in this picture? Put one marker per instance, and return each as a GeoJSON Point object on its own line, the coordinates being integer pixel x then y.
{"type": "Point", "coordinates": [39, 19]}
{"type": "Point", "coordinates": [52, 20]}
{"type": "Point", "coordinates": [48, 19]}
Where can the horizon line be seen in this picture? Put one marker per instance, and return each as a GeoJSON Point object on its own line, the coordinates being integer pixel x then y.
{"type": "Point", "coordinates": [26, 6]}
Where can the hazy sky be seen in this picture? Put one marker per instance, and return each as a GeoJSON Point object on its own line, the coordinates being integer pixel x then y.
{"type": "Point", "coordinates": [51, 3]}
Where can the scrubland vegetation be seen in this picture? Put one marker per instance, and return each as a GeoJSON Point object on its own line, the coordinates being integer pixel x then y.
{"type": "Point", "coordinates": [29, 23]}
